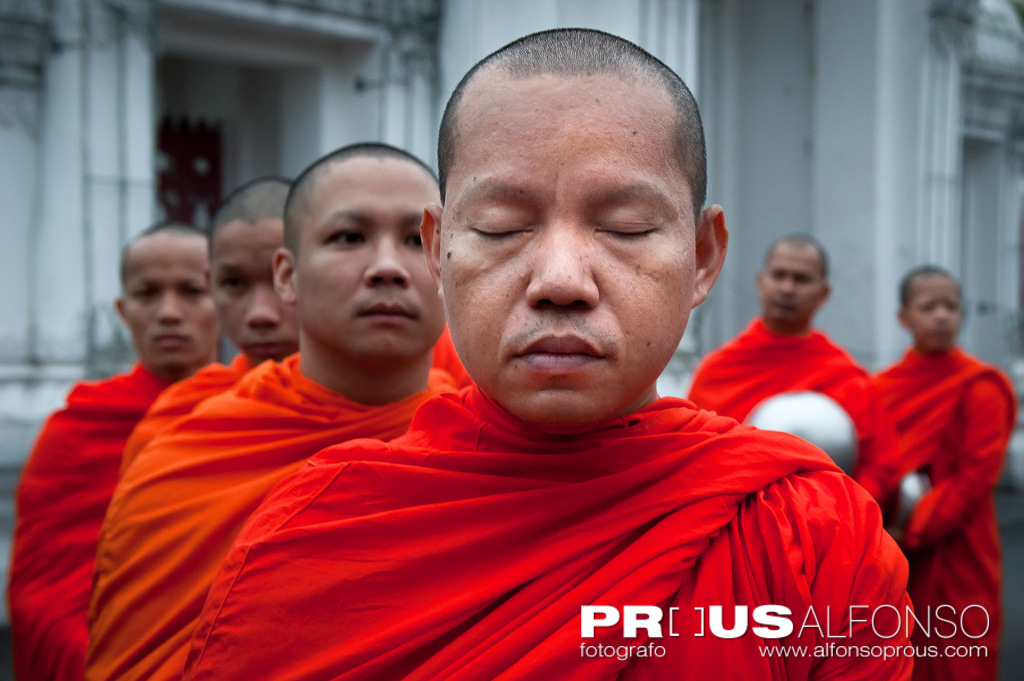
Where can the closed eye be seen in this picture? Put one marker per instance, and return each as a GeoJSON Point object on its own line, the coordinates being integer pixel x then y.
{"type": "Point", "coordinates": [497, 234]}
{"type": "Point", "coordinates": [628, 233]}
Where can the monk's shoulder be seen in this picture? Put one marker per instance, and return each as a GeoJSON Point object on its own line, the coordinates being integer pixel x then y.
{"type": "Point", "coordinates": [987, 380]}
{"type": "Point", "coordinates": [185, 394]}
{"type": "Point", "coordinates": [320, 488]}
{"type": "Point", "coordinates": [828, 528]}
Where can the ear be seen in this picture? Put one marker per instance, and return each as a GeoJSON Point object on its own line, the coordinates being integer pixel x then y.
{"type": "Point", "coordinates": [284, 275]}
{"type": "Point", "coordinates": [712, 241]}
{"type": "Point", "coordinates": [902, 316]}
{"type": "Point", "coordinates": [430, 235]}
{"type": "Point", "coordinates": [119, 308]}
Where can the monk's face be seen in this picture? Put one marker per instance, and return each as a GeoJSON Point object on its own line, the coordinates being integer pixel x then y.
{"type": "Point", "coordinates": [933, 314]}
{"type": "Point", "coordinates": [567, 251]}
{"type": "Point", "coordinates": [792, 287]}
{"type": "Point", "coordinates": [167, 305]}
{"type": "Point", "coordinates": [251, 312]}
{"type": "Point", "coordinates": [360, 280]}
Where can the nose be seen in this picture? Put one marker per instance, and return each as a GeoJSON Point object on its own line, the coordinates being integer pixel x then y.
{"type": "Point", "coordinates": [171, 308]}
{"type": "Point", "coordinates": [786, 285]}
{"type": "Point", "coordinates": [387, 267]}
{"type": "Point", "coordinates": [264, 307]}
{"type": "Point", "coordinates": [563, 273]}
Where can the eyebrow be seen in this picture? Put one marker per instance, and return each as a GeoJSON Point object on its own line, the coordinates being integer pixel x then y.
{"type": "Point", "coordinates": [638, 192]}
{"type": "Point", "coordinates": [361, 217]}
{"type": "Point", "coordinates": [498, 190]}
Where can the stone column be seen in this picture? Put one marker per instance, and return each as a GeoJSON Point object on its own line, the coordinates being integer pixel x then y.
{"type": "Point", "coordinates": [96, 183]}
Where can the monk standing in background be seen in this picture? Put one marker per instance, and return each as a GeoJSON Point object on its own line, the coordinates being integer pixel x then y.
{"type": "Point", "coordinates": [955, 415]}
{"type": "Point", "coordinates": [369, 317]}
{"type": "Point", "coordinates": [246, 231]}
{"type": "Point", "coordinates": [569, 251]}
{"type": "Point", "coordinates": [780, 352]}
{"type": "Point", "coordinates": [71, 472]}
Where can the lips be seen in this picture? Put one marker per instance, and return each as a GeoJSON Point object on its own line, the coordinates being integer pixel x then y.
{"type": "Point", "coordinates": [171, 341]}
{"type": "Point", "coordinates": [269, 349]}
{"type": "Point", "coordinates": [560, 354]}
{"type": "Point", "coordinates": [389, 313]}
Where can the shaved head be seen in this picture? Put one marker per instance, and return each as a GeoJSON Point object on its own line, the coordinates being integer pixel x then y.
{"type": "Point", "coordinates": [800, 240]}
{"type": "Point", "coordinates": [165, 227]}
{"type": "Point", "coordinates": [261, 198]}
{"type": "Point", "coordinates": [576, 52]}
{"type": "Point", "coordinates": [299, 197]}
{"type": "Point", "coordinates": [923, 272]}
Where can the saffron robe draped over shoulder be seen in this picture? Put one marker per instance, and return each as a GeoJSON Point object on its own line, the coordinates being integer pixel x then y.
{"type": "Point", "coordinates": [65, 487]}
{"type": "Point", "coordinates": [465, 550]}
{"type": "Point", "coordinates": [180, 399]}
{"type": "Point", "coordinates": [759, 364]}
{"type": "Point", "coordinates": [955, 416]}
{"type": "Point", "coordinates": [180, 505]}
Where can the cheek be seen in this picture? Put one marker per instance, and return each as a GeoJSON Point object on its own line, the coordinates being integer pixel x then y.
{"type": "Point", "coordinates": [468, 280]}
{"type": "Point", "coordinates": [141, 315]}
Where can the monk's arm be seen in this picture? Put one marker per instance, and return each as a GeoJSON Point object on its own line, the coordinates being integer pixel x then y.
{"type": "Point", "coordinates": [950, 502]}
{"type": "Point", "coordinates": [860, 584]}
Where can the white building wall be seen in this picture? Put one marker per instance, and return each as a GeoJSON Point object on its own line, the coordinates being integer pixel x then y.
{"type": "Point", "coordinates": [19, 137]}
{"type": "Point", "coordinates": [472, 29]}
{"type": "Point", "coordinates": [757, 103]}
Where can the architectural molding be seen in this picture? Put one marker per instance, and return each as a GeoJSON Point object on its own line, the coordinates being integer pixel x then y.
{"type": "Point", "coordinates": [952, 24]}
{"type": "Point", "coordinates": [24, 41]}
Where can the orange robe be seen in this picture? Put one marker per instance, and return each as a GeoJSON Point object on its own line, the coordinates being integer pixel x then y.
{"type": "Point", "coordinates": [466, 549]}
{"type": "Point", "coordinates": [447, 359]}
{"type": "Point", "coordinates": [955, 416]}
{"type": "Point", "coordinates": [759, 364]}
{"type": "Point", "coordinates": [180, 505]}
{"type": "Point", "coordinates": [64, 490]}
{"type": "Point", "coordinates": [180, 399]}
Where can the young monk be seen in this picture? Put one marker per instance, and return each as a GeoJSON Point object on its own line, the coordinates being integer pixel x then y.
{"type": "Point", "coordinates": [71, 472]}
{"type": "Point", "coordinates": [780, 351]}
{"type": "Point", "coordinates": [246, 231]}
{"type": "Point", "coordinates": [354, 269]}
{"type": "Point", "coordinates": [955, 415]}
{"type": "Point", "coordinates": [569, 251]}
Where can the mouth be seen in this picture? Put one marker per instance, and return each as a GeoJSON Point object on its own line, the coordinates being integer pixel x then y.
{"type": "Point", "coordinates": [559, 354]}
{"type": "Point", "coordinates": [268, 349]}
{"type": "Point", "coordinates": [387, 312]}
{"type": "Point", "coordinates": [171, 341]}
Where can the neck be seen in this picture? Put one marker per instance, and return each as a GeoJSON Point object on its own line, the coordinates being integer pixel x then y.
{"type": "Point", "coordinates": [369, 381]}
{"type": "Point", "coordinates": [932, 351]}
{"type": "Point", "coordinates": [175, 373]}
{"type": "Point", "coordinates": [782, 328]}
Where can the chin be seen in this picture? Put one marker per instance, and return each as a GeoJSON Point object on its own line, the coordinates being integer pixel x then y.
{"type": "Point", "coordinates": [562, 414]}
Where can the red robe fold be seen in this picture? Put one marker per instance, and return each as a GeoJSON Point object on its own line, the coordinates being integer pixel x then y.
{"type": "Point", "coordinates": [465, 550]}
{"type": "Point", "coordinates": [759, 364]}
{"type": "Point", "coordinates": [180, 399]}
{"type": "Point", "coordinates": [64, 491]}
{"type": "Point", "coordinates": [955, 416]}
{"type": "Point", "coordinates": [181, 504]}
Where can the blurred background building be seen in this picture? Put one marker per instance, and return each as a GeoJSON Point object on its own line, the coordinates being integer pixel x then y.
{"type": "Point", "coordinates": [893, 130]}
